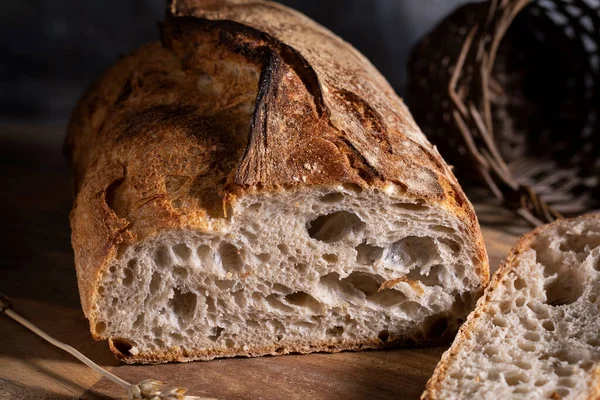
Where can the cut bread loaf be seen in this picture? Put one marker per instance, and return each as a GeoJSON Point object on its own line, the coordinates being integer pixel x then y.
{"type": "Point", "coordinates": [535, 333]}
{"type": "Point", "coordinates": [252, 185]}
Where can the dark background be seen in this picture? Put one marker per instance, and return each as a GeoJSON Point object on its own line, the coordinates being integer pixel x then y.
{"type": "Point", "coordinates": [52, 49]}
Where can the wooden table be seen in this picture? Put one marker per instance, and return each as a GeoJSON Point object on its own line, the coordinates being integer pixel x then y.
{"type": "Point", "coordinates": [37, 273]}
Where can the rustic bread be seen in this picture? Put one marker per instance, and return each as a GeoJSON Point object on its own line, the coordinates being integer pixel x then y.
{"type": "Point", "coordinates": [252, 185]}
{"type": "Point", "coordinates": [536, 331]}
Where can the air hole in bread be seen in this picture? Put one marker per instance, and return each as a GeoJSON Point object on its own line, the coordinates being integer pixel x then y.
{"type": "Point", "coordinates": [352, 188]}
{"type": "Point", "coordinates": [436, 327]}
{"type": "Point", "coordinates": [132, 264]}
{"type": "Point", "coordinates": [515, 379]}
{"type": "Point", "coordinates": [580, 243]}
{"type": "Point", "coordinates": [301, 268]}
{"type": "Point", "coordinates": [412, 251]}
{"type": "Point", "coordinates": [410, 207]}
{"type": "Point", "coordinates": [387, 298]}
{"type": "Point", "coordinates": [229, 343]}
{"type": "Point", "coordinates": [565, 370]}
{"type": "Point", "coordinates": [123, 346]}
{"type": "Point", "coordinates": [548, 325]}
{"type": "Point", "coordinates": [180, 272]}
{"type": "Point", "coordinates": [184, 304]}
{"type": "Point", "coordinates": [367, 283]}
{"type": "Point", "coordinates": [597, 265]}
{"type": "Point", "coordinates": [162, 258]}
{"type": "Point", "coordinates": [571, 355]}
{"type": "Point", "coordinates": [255, 207]}
{"type": "Point", "coordinates": [532, 336]}
{"type": "Point", "coordinates": [112, 269]}
{"type": "Point", "coordinates": [592, 298]}
{"type": "Point", "coordinates": [412, 308]}
{"type": "Point", "coordinates": [101, 289]}
{"type": "Point", "coordinates": [264, 257]}
{"type": "Point", "coordinates": [443, 229]}
{"type": "Point", "coordinates": [336, 331]}
{"type": "Point", "coordinates": [139, 321]}
{"type": "Point", "coordinates": [451, 244]}
{"type": "Point", "coordinates": [541, 382]}
{"type": "Point", "coordinates": [500, 321]}
{"type": "Point", "coordinates": [239, 298]}
{"type": "Point", "coordinates": [224, 284]}
{"type": "Point", "coordinates": [276, 305]}
{"type": "Point", "coordinates": [231, 259]}
{"type": "Point", "coordinates": [563, 289]}
{"type": "Point", "coordinates": [491, 351]}
{"type": "Point", "coordinates": [432, 278]}
{"type": "Point", "coordinates": [384, 335]}
{"type": "Point", "coordinates": [281, 289]}
{"type": "Point", "coordinates": [539, 309]}
{"type": "Point", "coordinates": [566, 382]}
{"type": "Point", "coordinates": [155, 282]}
{"type": "Point", "coordinates": [594, 342]}
{"type": "Point", "coordinates": [276, 327]}
{"type": "Point", "coordinates": [520, 302]}
{"type": "Point", "coordinates": [205, 254]}
{"type": "Point", "coordinates": [367, 254]}
{"type": "Point", "coordinates": [283, 248]}
{"type": "Point", "coordinates": [330, 258]}
{"type": "Point", "coordinates": [332, 197]}
{"type": "Point", "coordinates": [334, 227]}
{"type": "Point", "coordinates": [302, 299]}
{"type": "Point", "coordinates": [526, 346]}
{"type": "Point", "coordinates": [216, 333]}
{"type": "Point", "coordinates": [128, 279]}
{"type": "Point", "coordinates": [182, 251]}
{"type": "Point", "coordinates": [252, 237]}
{"type": "Point", "coordinates": [519, 283]}
{"type": "Point", "coordinates": [100, 327]}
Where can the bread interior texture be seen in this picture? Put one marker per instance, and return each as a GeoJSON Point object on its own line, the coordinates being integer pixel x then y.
{"type": "Point", "coordinates": [298, 271]}
{"type": "Point", "coordinates": [539, 335]}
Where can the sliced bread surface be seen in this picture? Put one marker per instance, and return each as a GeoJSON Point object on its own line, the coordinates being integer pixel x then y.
{"type": "Point", "coordinates": [535, 333]}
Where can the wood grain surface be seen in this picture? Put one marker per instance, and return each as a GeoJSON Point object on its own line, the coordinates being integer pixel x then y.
{"type": "Point", "coordinates": [37, 273]}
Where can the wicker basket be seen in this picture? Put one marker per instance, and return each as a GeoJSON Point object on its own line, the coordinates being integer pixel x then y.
{"type": "Point", "coordinates": [509, 91]}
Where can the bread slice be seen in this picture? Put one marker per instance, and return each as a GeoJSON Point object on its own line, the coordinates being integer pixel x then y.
{"type": "Point", "coordinates": [535, 333]}
{"type": "Point", "coordinates": [251, 185]}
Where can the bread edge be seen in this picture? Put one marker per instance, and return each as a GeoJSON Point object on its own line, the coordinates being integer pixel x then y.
{"type": "Point", "coordinates": [523, 244]}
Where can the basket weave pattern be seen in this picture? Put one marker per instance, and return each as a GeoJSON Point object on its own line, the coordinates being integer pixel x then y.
{"type": "Point", "coordinates": [509, 90]}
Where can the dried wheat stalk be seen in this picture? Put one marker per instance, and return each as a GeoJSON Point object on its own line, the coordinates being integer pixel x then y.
{"type": "Point", "coordinates": [150, 389]}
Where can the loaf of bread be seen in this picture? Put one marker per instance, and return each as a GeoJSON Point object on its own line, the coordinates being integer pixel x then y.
{"type": "Point", "coordinates": [535, 333]}
{"type": "Point", "coordinates": [252, 185]}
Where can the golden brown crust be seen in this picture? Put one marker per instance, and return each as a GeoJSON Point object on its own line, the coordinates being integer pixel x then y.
{"type": "Point", "coordinates": [522, 245]}
{"type": "Point", "coordinates": [239, 97]}
{"type": "Point", "coordinates": [331, 346]}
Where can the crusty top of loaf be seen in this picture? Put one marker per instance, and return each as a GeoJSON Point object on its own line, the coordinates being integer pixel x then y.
{"type": "Point", "coordinates": [240, 96]}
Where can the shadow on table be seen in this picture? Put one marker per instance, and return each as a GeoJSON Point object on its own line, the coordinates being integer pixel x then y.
{"type": "Point", "coordinates": [37, 260]}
